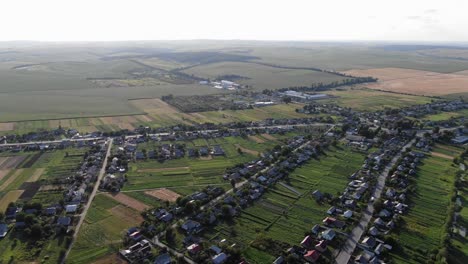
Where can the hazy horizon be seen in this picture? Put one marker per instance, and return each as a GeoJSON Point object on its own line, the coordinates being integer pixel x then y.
{"type": "Point", "coordinates": [297, 20]}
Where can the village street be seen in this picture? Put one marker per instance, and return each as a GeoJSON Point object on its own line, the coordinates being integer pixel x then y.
{"type": "Point", "coordinates": [343, 254]}
{"type": "Point", "coordinates": [90, 198]}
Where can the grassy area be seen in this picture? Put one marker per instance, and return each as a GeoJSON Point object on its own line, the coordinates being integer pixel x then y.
{"type": "Point", "coordinates": [446, 115]}
{"type": "Point", "coordinates": [372, 100]}
{"type": "Point", "coordinates": [425, 225]}
{"type": "Point", "coordinates": [284, 215]}
{"type": "Point", "coordinates": [263, 77]}
{"type": "Point", "coordinates": [102, 231]}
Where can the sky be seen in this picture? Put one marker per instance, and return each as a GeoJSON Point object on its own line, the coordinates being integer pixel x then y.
{"type": "Point", "coordinates": [306, 20]}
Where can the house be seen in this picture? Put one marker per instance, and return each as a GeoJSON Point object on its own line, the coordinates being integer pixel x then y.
{"type": "Point", "coordinates": [219, 259]}
{"type": "Point", "coordinates": [321, 246]}
{"type": "Point", "coordinates": [71, 208]}
{"type": "Point", "coordinates": [217, 151]}
{"type": "Point", "coordinates": [373, 231]}
{"type": "Point", "coordinates": [332, 210]}
{"type": "Point", "coordinates": [368, 242]}
{"type": "Point", "coordinates": [215, 249]}
{"type": "Point", "coordinates": [194, 249]}
{"type": "Point", "coordinates": [64, 221]}
{"type": "Point", "coordinates": [307, 241]}
{"type": "Point", "coordinates": [348, 214]}
{"type": "Point", "coordinates": [163, 259]}
{"type": "Point", "coordinates": [315, 229]}
{"type": "Point", "coordinates": [3, 230]}
{"type": "Point", "coordinates": [328, 234]}
{"type": "Point", "coordinates": [191, 226]}
{"type": "Point", "coordinates": [312, 256]}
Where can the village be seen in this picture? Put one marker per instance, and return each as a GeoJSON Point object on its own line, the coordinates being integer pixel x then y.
{"type": "Point", "coordinates": [375, 197]}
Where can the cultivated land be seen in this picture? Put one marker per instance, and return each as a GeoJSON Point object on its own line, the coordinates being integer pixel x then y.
{"type": "Point", "coordinates": [364, 99]}
{"type": "Point", "coordinates": [425, 226]}
{"type": "Point", "coordinates": [113, 88]}
{"type": "Point", "coordinates": [102, 231]}
{"type": "Point", "coordinates": [31, 179]}
{"type": "Point", "coordinates": [414, 81]}
{"type": "Point", "coordinates": [263, 77]}
{"type": "Point", "coordinates": [285, 214]}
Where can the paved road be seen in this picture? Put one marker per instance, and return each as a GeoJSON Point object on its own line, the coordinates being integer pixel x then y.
{"type": "Point", "coordinates": [90, 199]}
{"type": "Point", "coordinates": [344, 254]}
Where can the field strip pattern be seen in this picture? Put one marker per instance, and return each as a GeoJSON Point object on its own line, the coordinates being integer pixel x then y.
{"type": "Point", "coordinates": [10, 179]}
{"type": "Point", "coordinates": [129, 201]}
{"type": "Point", "coordinates": [36, 175]}
{"type": "Point", "coordinates": [11, 196]}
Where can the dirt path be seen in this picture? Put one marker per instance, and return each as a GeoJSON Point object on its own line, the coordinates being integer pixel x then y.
{"type": "Point", "coordinates": [441, 155]}
{"type": "Point", "coordinates": [128, 201]}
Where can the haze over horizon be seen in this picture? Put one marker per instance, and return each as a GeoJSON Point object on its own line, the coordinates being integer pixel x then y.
{"type": "Point", "coordinates": [296, 20]}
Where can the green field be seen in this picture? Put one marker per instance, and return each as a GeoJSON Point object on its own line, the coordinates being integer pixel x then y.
{"type": "Point", "coordinates": [263, 77]}
{"type": "Point", "coordinates": [102, 231]}
{"type": "Point", "coordinates": [372, 100]}
{"type": "Point", "coordinates": [446, 115]}
{"type": "Point", "coordinates": [425, 225]}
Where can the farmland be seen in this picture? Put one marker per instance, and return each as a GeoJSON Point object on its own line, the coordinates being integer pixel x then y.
{"type": "Point", "coordinates": [145, 175]}
{"type": "Point", "coordinates": [30, 178]}
{"type": "Point", "coordinates": [414, 81]}
{"type": "Point", "coordinates": [425, 226]}
{"type": "Point", "coordinates": [101, 233]}
{"type": "Point", "coordinates": [362, 99]}
{"type": "Point", "coordinates": [262, 77]}
{"type": "Point", "coordinates": [285, 215]}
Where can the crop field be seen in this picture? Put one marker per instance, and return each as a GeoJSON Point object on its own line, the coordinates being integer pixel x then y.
{"type": "Point", "coordinates": [371, 100]}
{"type": "Point", "coordinates": [159, 114]}
{"type": "Point", "coordinates": [262, 77]}
{"type": "Point", "coordinates": [414, 81]}
{"type": "Point", "coordinates": [285, 213]}
{"type": "Point", "coordinates": [346, 57]}
{"type": "Point", "coordinates": [101, 233]}
{"type": "Point", "coordinates": [425, 225]}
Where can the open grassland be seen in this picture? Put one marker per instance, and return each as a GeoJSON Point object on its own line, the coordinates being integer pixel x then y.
{"type": "Point", "coordinates": [285, 213]}
{"type": "Point", "coordinates": [414, 81]}
{"type": "Point", "coordinates": [371, 100]}
{"type": "Point", "coordinates": [425, 226]}
{"type": "Point", "coordinates": [263, 77]}
{"type": "Point", "coordinates": [101, 233]}
{"type": "Point", "coordinates": [446, 115]}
